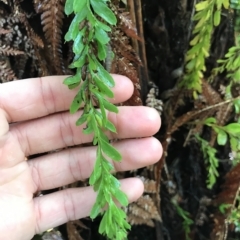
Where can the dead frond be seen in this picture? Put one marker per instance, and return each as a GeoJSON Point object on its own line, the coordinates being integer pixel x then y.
{"type": "Point", "coordinates": [228, 195]}
{"type": "Point", "coordinates": [52, 20]}
{"type": "Point", "coordinates": [73, 229]}
{"type": "Point", "coordinates": [143, 211]}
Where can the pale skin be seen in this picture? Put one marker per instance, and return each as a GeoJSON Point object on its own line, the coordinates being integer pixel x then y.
{"type": "Point", "coordinates": [34, 118]}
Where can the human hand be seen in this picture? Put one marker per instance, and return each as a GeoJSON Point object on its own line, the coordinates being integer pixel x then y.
{"type": "Point", "coordinates": [34, 118]}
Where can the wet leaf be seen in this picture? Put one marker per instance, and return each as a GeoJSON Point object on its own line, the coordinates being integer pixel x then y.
{"type": "Point", "coordinates": [82, 119]}
{"type": "Point", "coordinates": [233, 128]}
{"type": "Point", "coordinates": [110, 127]}
{"type": "Point", "coordinates": [77, 101]}
{"type": "Point", "coordinates": [101, 36]}
{"type": "Point", "coordinates": [109, 106]}
{"type": "Point", "coordinates": [121, 197]}
{"type": "Point", "coordinates": [110, 151]}
{"type": "Point", "coordinates": [79, 5]}
{"type": "Point", "coordinates": [222, 138]}
{"type": "Point", "coordinates": [103, 11]}
{"type": "Point", "coordinates": [68, 7]}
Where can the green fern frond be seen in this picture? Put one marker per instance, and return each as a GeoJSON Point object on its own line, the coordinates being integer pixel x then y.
{"type": "Point", "coordinates": [89, 32]}
{"type": "Point", "coordinates": [208, 15]}
{"type": "Point", "coordinates": [211, 160]}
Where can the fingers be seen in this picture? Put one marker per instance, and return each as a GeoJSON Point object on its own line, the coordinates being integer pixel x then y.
{"type": "Point", "coordinates": [10, 153]}
{"type": "Point", "coordinates": [37, 97]}
{"type": "Point", "coordinates": [59, 130]}
{"type": "Point", "coordinates": [4, 126]}
{"type": "Point", "coordinates": [74, 164]}
{"type": "Point", "coordinates": [57, 208]}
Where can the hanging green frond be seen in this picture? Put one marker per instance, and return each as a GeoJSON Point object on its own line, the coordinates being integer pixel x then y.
{"type": "Point", "coordinates": [208, 15]}
{"type": "Point", "coordinates": [89, 32]}
{"type": "Point", "coordinates": [235, 4]}
{"type": "Point", "coordinates": [210, 160]}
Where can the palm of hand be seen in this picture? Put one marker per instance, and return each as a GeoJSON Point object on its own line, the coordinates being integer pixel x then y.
{"type": "Point", "coordinates": [41, 125]}
{"type": "Point", "coordinates": [17, 208]}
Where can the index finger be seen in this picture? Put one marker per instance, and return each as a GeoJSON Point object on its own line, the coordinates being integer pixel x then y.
{"type": "Point", "coordinates": [37, 97]}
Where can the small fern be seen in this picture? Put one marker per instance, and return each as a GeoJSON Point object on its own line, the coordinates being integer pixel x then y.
{"type": "Point", "coordinates": [208, 15]}
{"type": "Point", "coordinates": [211, 160]}
{"type": "Point", "coordinates": [187, 221]}
{"type": "Point", "coordinates": [235, 4]}
{"type": "Point", "coordinates": [233, 213]}
{"type": "Point", "coordinates": [229, 132]}
{"type": "Point", "coordinates": [89, 32]}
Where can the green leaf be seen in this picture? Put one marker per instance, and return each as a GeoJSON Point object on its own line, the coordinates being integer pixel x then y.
{"type": "Point", "coordinates": [103, 87]}
{"type": "Point", "coordinates": [108, 167]}
{"type": "Point", "coordinates": [81, 60]}
{"type": "Point", "coordinates": [191, 64]}
{"type": "Point", "coordinates": [194, 40]}
{"type": "Point", "coordinates": [103, 111]}
{"type": "Point", "coordinates": [121, 197]}
{"type": "Point", "coordinates": [236, 107]}
{"type": "Point", "coordinates": [236, 64]}
{"type": "Point", "coordinates": [217, 17]}
{"type": "Point", "coordinates": [68, 9]}
{"type": "Point", "coordinates": [101, 198]}
{"type": "Point", "coordinates": [95, 211]}
{"type": "Point", "coordinates": [200, 24]}
{"type": "Point", "coordinates": [198, 15]}
{"type": "Point", "coordinates": [103, 11]}
{"type": "Point", "coordinates": [97, 185]}
{"type": "Point", "coordinates": [74, 27]}
{"type": "Point", "coordinates": [209, 121]}
{"type": "Point", "coordinates": [95, 140]}
{"type": "Point", "coordinates": [74, 85]}
{"type": "Point", "coordinates": [103, 136]}
{"type": "Point", "coordinates": [223, 207]}
{"type": "Point", "coordinates": [103, 26]}
{"type": "Point", "coordinates": [99, 118]}
{"type": "Point", "coordinates": [76, 103]}
{"type": "Point", "coordinates": [232, 128]}
{"type": "Point", "coordinates": [78, 45]}
{"type": "Point", "coordinates": [216, 129]}
{"type": "Point", "coordinates": [106, 192]}
{"type": "Point", "coordinates": [102, 53]}
{"type": "Point", "coordinates": [202, 5]}
{"type": "Point", "coordinates": [236, 75]}
{"type": "Point", "coordinates": [72, 80]}
{"type": "Point", "coordinates": [234, 144]}
{"type": "Point", "coordinates": [90, 35]}
{"type": "Point", "coordinates": [110, 151]}
{"type": "Point", "coordinates": [82, 119]}
{"type": "Point", "coordinates": [89, 129]}
{"type": "Point", "coordinates": [101, 36]}
{"type": "Point", "coordinates": [226, 4]}
{"type": "Point", "coordinates": [116, 214]}
{"type": "Point", "coordinates": [78, 5]}
{"type": "Point", "coordinates": [122, 214]}
{"type": "Point", "coordinates": [109, 106]}
{"type": "Point", "coordinates": [104, 224]}
{"type": "Point", "coordinates": [126, 225]}
{"type": "Point", "coordinates": [222, 138]}
{"type": "Point", "coordinates": [92, 64]}
{"type": "Point", "coordinates": [114, 182]}
{"type": "Point", "coordinates": [105, 76]}
{"type": "Point", "coordinates": [97, 172]}
{"type": "Point", "coordinates": [94, 124]}
{"type": "Point", "coordinates": [110, 127]}
{"type": "Point", "coordinates": [195, 49]}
